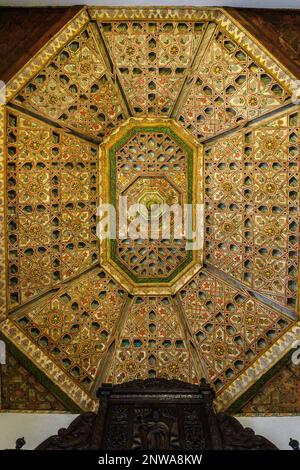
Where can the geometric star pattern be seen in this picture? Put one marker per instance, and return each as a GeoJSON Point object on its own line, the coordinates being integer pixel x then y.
{"type": "Point", "coordinates": [150, 62]}
{"type": "Point", "coordinates": [52, 197]}
{"type": "Point", "coordinates": [76, 324]}
{"type": "Point", "coordinates": [76, 89]}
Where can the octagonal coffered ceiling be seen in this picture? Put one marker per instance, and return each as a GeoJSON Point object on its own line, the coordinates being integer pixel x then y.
{"type": "Point", "coordinates": [154, 163]}
{"type": "Point", "coordinates": [160, 106]}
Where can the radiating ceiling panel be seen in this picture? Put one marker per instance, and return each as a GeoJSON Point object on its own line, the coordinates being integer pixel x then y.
{"type": "Point", "coordinates": [252, 200]}
{"type": "Point", "coordinates": [152, 59]}
{"type": "Point", "coordinates": [75, 325]}
{"type": "Point", "coordinates": [228, 88]}
{"type": "Point", "coordinates": [52, 193]}
{"type": "Point", "coordinates": [152, 344]}
{"type": "Point", "coordinates": [76, 89]}
{"type": "Point", "coordinates": [230, 327]}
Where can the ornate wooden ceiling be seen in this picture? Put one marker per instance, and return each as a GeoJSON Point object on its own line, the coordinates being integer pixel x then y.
{"type": "Point", "coordinates": [180, 80]}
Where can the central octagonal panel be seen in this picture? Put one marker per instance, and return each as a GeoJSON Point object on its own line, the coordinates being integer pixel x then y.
{"type": "Point", "coordinates": [151, 175]}
{"type": "Point", "coordinates": [153, 194]}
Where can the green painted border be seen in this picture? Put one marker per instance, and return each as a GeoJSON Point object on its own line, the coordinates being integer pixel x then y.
{"type": "Point", "coordinates": [237, 406]}
{"type": "Point", "coordinates": [71, 406]}
{"type": "Point", "coordinates": [112, 160]}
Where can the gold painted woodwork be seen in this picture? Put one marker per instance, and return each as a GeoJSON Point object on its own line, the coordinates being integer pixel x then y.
{"type": "Point", "coordinates": [232, 275]}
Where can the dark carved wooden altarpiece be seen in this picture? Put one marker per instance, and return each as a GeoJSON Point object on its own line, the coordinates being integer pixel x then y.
{"type": "Point", "coordinates": [156, 414]}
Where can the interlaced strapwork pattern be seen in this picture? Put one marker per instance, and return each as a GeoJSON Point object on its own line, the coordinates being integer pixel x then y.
{"type": "Point", "coordinates": [75, 325]}
{"type": "Point", "coordinates": [76, 89]}
{"type": "Point", "coordinates": [230, 327]}
{"type": "Point", "coordinates": [252, 206]}
{"type": "Point", "coordinates": [152, 60]}
{"type": "Point", "coordinates": [52, 194]}
{"type": "Point", "coordinates": [152, 344]}
{"type": "Point", "coordinates": [228, 89]}
{"type": "Point", "coordinates": [152, 169]}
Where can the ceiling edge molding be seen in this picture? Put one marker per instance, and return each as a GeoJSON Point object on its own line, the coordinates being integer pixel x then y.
{"type": "Point", "coordinates": [258, 368]}
{"type": "Point", "coordinates": [237, 406]}
{"type": "Point", "coordinates": [71, 406]}
{"type": "Point", "coordinates": [10, 332]}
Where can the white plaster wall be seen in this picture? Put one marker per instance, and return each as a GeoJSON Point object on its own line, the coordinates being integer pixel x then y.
{"type": "Point", "coordinates": [236, 3]}
{"type": "Point", "coordinates": [278, 429]}
{"type": "Point", "coordinates": [35, 428]}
